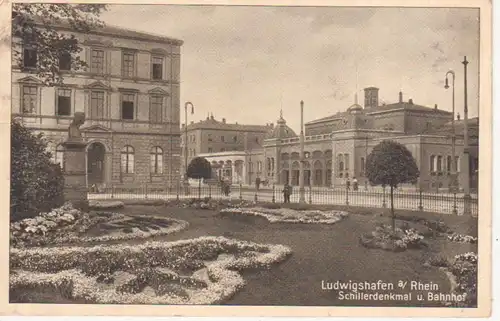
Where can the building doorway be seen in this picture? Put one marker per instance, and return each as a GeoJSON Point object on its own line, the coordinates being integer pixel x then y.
{"type": "Point", "coordinates": [95, 164]}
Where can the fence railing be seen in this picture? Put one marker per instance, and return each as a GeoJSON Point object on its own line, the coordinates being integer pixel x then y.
{"type": "Point", "coordinates": [447, 203]}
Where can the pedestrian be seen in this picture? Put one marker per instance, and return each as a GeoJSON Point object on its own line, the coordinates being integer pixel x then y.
{"type": "Point", "coordinates": [257, 183]}
{"type": "Point", "coordinates": [348, 184]}
{"type": "Point", "coordinates": [354, 183]}
{"type": "Point", "coordinates": [286, 196]}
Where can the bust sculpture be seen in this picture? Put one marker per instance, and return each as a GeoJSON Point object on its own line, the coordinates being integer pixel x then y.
{"type": "Point", "coordinates": [74, 133]}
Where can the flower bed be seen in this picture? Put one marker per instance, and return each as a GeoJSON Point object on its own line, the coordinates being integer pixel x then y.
{"type": "Point", "coordinates": [462, 273]}
{"type": "Point", "coordinates": [460, 238]}
{"type": "Point", "coordinates": [207, 203]}
{"type": "Point", "coordinates": [197, 271]}
{"type": "Point", "coordinates": [69, 225]}
{"type": "Point", "coordinates": [397, 240]}
{"type": "Point", "coordinates": [286, 215]}
{"type": "Point", "coordinates": [103, 205]}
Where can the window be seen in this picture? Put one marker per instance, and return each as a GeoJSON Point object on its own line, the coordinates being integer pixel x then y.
{"type": "Point", "coordinates": [222, 138]}
{"type": "Point", "coordinates": [457, 161]}
{"type": "Point", "coordinates": [127, 160]}
{"type": "Point", "coordinates": [156, 109]}
{"type": "Point", "coordinates": [128, 64]}
{"type": "Point", "coordinates": [210, 150]}
{"type": "Point", "coordinates": [257, 140]}
{"type": "Point", "coordinates": [433, 163]}
{"type": "Point", "coordinates": [97, 105]}
{"type": "Point", "coordinates": [340, 162]}
{"type": "Point", "coordinates": [209, 137]}
{"type": "Point", "coordinates": [235, 139]}
{"type": "Point", "coordinates": [30, 58]}
{"type": "Point", "coordinates": [363, 166]}
{"type": "Point", "coordinates": [259, 166]}
{"type": "Point", "coordinates": [64, 102]}
{"type": "Point", "coordinates": [222, 149]}
{"type": "Point", "coordinates": [97, 61]}
{"type": "Point", "coordinates": [439, 163]}
{"type": "Point", "coordinates": [29, 94]}
{"type": "Point", "coordinates": [157, 69]}
{"type": "Point", "coordinates": [60, 155]}
{"type": "Point", "coordinates": [128, 106]}
{"type": "Point", "coordinates": [65, 61]}
{"type": "Point", "coordinates": [449, 165]}
{"type": "Point", "coordinates": [156, 160]}
{"type": "Point", "coordinates": [346, 159]}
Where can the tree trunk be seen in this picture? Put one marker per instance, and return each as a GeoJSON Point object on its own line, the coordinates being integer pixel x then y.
{"type": "Point", "coordinates": [199, 189]}
{"type": "Point", "coordinates": [392, 210]}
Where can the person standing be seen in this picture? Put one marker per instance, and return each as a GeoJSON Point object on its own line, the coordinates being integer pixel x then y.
{"type": "Point", "coordinates": [286, 195]}
{"type": "Point", "coordinates": [348, 184]}
{"type": "Point", "coordinates": [354, 184]}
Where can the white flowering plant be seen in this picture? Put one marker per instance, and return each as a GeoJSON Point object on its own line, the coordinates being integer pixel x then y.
{"type": "Point", "coordinates": [392, 239]}
{"type": "Point", "coordinates": [196, 271]}
{"type": "Point", "coordinates": [287, 215]}
{"type": "Point", "coordinates": [66, 225]}
{"type": "Point", "coordinates": [460, 238]}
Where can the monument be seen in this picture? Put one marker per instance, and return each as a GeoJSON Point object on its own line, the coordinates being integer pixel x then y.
{"type": "Point", "coordinates": [75, 186]}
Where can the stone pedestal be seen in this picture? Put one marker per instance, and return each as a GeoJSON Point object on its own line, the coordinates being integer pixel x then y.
{"type": "Point", "coordinates": [75, 183]}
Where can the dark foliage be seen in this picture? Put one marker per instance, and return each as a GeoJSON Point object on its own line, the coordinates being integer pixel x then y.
{"type": "Point", "coordinates": [38, 25]}
{"type": "Point", "coordinates": [199, 168]}
{"type": "Point", "coordinates": [36, 184]}
{"type": "Point", "coordinates": [390, 164]}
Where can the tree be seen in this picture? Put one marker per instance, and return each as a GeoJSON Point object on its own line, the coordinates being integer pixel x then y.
{"type": "Point", "coordinates": [36, 183]}
{"type": "Point", "coordinates": [37, 25]}
{"type": "Point", "coordinates": [199, 168]}
{"type": "Point", "coordinates": [391, 164]}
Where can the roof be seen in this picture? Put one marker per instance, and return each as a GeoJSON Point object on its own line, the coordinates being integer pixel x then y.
{"type": "Point", "coordinates": [395, 106]}
{"type": "Point", "coordinates": [281, 130]}
{"type": "Point", "coordinates": [118, 31]}
{"type": "Point", "coordinates": [212, 123]}
{"type": "Point", "coordinates": [459, 127]}
{"type": "Point", "coordinates": [129, 33]}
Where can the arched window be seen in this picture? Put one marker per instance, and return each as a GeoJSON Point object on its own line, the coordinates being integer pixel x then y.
{"type": "Point", "coordinates": [259, 166]}
{"type": "Point", "coordinates": [156, 157]}
{"type": "Point", "coordinates": [340, 162]}
{"type": "Point", "coordinates": [449, 165]}
{"type": "Point", "coordinates": [60, 156]}
{"type": "Point", "coordinates": [127, 160]}
{"type": "Point", "coordinates": [433, 163]}
{"type": "Point", "coordinates": [362, 166]}
{"type": "Point", "coordinates": [272, 165]}
{"type": "Point", "coordinates": [346, 160]}
{"type": "Point", "coordinates": [439, 163]}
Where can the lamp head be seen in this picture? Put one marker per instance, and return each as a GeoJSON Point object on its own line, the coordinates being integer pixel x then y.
{"type": "Point", "coordinates": [446, 86]}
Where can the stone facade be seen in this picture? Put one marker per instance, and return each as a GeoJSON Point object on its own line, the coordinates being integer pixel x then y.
{"type": "Point", "coordinates": [336, 147]}
{"type": "Point", "coordinates": [130, 94]}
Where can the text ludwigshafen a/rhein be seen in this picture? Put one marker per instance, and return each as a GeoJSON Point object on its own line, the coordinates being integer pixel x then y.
{"type": "Point", "coordinates": [383, 291]}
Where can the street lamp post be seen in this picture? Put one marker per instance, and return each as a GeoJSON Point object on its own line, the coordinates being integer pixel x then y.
{"type": "Point", "coordinates": [453, 174]}
{"type": "Point", "coordinates": [186, 181]}
{"type": "Point", "coordinates": [302, 198]}
{"type": "Point", "coordinates": [466, 160]}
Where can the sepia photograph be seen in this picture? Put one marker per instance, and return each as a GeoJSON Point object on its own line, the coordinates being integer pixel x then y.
{"type": "Point", "coordinates": [248, 155]}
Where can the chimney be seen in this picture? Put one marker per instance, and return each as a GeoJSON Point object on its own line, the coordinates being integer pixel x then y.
{"type": "Point", "coordinates": [458, 116]}
{"type": "Point", "coordinates": [400, 96]}
{"type": "Point", "coordinates": [435, 106]}
{"type": "Point", "coordinates": [192, 122]}
{"type": "Point", "coordinates": [272, 125]}
{"type": "Point", "coordinates": [371, 97]}
{"type": "Point", "coordinates": [410, 101]}
{"type": "Point", "coordinates": [223, 120]}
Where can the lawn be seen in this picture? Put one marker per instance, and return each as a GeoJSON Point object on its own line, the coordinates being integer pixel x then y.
{"type": "Point", "coordinates": [321, 253]}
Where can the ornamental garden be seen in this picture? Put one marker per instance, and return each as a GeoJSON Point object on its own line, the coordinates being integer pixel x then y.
{"type": "Point", "coordinates": [207, 251]}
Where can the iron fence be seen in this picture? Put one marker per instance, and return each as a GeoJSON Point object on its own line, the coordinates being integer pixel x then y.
{"type": "Point", "coordinates": [447, 203]}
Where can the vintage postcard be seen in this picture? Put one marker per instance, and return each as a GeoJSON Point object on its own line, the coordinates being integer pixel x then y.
{"type": "Point", "coordinates": [247, 158]}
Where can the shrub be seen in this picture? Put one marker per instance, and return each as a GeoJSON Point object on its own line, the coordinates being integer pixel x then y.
{"type": "Point", "coordinates": [36, 184]}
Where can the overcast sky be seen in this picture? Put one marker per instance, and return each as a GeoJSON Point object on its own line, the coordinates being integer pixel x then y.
{"type": "Point", "coordinates": [245, 63]}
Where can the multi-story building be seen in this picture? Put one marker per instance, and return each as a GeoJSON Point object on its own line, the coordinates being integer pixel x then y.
{"type": "Point", "coordinates": [336, 147]}
{"type": "Point", "coordinates": [213, 136]}
{"type": "Point", "coordinates": [130, 96]}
